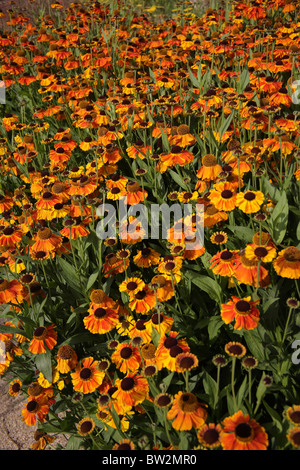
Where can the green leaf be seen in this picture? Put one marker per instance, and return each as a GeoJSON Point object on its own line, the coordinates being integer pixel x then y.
{"type": "Point", "coordinates": [270, 190]}
{"type": "Point", "coordinates": [152, 75]}
{"type": "Point", "coordinates": [230, 403]}
{"type": "Point", "coordinates": [215, 323]}
{"type": "Point", "coordinates": [279, 219]}
{"type": "Point", "coordinates": [277, 419]}
{"type": "Point", "coordinates": [69, 274]}
{"type": "Point", "coordinates": [178, 179]}
{"type": "Point", "coordinates": [165, 140]}
{"type": "Point", "coordinates": [11, 329]}
{"type": "Point", "coordinates": [44, 365]}
{"type": "Point", "coordinates": [74, 443]}
{"type": "Point", "coordinates": [168, 379]}
{"type": "Point", "coordinates": [241, 393]}
{"type": "Point", "coordinates": [243, 233]}
{"type": "Point", "coordinates": [207, 284]}
{"type": "Point", "coordinates": [183, 441]}
{"type": "Point", "coordinates": [210, 386]}
{"type": "Point", "coordinates": [225, 125]}
{"type": "Point", "coordinates": [193, 79]}
{"type": "Point", "coordinates": [92, 279]}
{"type": "Point", "coordinates": [243, 80]}
{"type": "Point", "coordinates": [254, 343]}
{"type": "Point", "coordinates": [81, 338]}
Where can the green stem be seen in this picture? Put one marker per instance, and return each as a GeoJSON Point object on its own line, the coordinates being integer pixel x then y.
{"type": "Point", "coordinates": [217, 387]}
{"type": "Point", "coordinates": [232, 383]}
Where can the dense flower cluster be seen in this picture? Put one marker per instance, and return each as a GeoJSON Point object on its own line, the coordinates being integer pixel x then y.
{"type": "Point", "coordinates": [130, 342]}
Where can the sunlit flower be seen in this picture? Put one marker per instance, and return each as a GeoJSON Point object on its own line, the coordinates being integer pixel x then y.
{"type": "Point", "coordinates": [43, 337]}
{"type": "Point", "coordinates": [243, 311]}
{"type": "Point", "coordinates": [187, 412]}
{"type": "Point", "coordinates": [87, 377]}
{"type": "Point", "coordinates": [240, 432]}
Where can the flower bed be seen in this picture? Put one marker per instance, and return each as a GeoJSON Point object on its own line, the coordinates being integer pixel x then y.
{"type": "Point", "coordinates": [140, 329]}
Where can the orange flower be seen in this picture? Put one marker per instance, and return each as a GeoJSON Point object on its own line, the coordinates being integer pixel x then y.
{"type": "Point", "coordinates": [126, 358]}
{"type": "Point", "coordinates": [223, 196]}
{"type": "Point", "coordinates": [66, 359]}
{"type": "Point", "coordinates": [250, 201]}
{"type": "Point", "coordinates": [135, 194]}
{"type": "Point", "coordinates": [293, 436]}
{"type": "Point", "coordinates": [45, 240]}
{"type": "Point", "coordinates": [182, 136]}
{"type": "Point", "coordinates": [187, 412]}
{"type": "Point", "coordinates": [138, 149]}
{"type": "Point", "coordinates": [84, 185]}
{"type": "Point", "coordinates": [242, 433]}
{"type": "Point", "coordinates": [143, 301]}
{"type": "Point", "coordinates": [139, 328]}
{"type": "Point", "coordinates": [287, 263]}
{"type": "Point", "coordinates": [10, 237]}
{"type": "Point", "coordinates": [101, 320]}
{"type": "Point", "coordinates": [41, 439]}
{"type": "Point", "coordinates": [15, 387]}
{"type": "Point", "coordinates": [74, 228]}
{"type": "Point", "coordinates": [10, 291]}
{"type": "Point", "coordinates": [223, 263]}
{"type": "Point", "coordinates": [212, 215]}
{"type": "Point", "coordinates": [250, 272]}
{"type": "Point", "coordinates": [131, 286]}
{"type": "Point", "coordinates": [209, 435]}
{"type": "Point", "coordinates": [243, 311]}
{"type": "Point", "coordinates": [36, 409]}
{"type": "Point", "coordinates": [124, 444]}
{"type": "Point", "coordinates": [168, 348]}
{"type": "Point", "coordinates": [162, 287]}
{"type": "Point", "coordinates": [113, 265]}
{"type": "Point", "coordinates": [42, 337]}
{"type": "Point", "coordinates": [210, 169]}
{"type": "Point", "coordinates": [87, 378]}
{"type": "Point", "coordinates": [146, 257]}
{"type": "Point", "coordinates": [159, 322]}
{"type": "Point", "coordinates": [132, 390]}
{"type": "Point", "coordinates": [177, 156]}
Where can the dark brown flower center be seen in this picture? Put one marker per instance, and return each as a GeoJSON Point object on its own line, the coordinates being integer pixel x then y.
{"type": "Point", "coordinates": [186, 362]}
{"type": "Point", "coordinates": [260, 251]}
{"type": "Point", "coordinates": [226, 255]}
{"type": "Point", "coordinates": [141, 295]}
{"type": "Point", "coordinates": [65, 352]}
{"type": "Point", "coordinates": [249, 196]}
{"type": "Point", "coordinates": [39, 332]}
{"type": "Point", "coordinates": [243, 306]}
{"type": "Point", "coordinates": [163, 400]}
{"type": "Point", "coordinates": [126, 352]}
{"type": "Point", "coordinates": [169, 266]}
{"type": "Point", "coordinates": [32, 406]}
{"type": "Point", "coordinates": [8, 231]}
{"type": "Point", "coordinates": [16, 387]}
{"type": "Point", "coordinates": [132, 285]}
{"type": "Point", "coordinates": [170, 342]}
{"type": "Point", "coordinates": [127, 384]}
{"type": "Point", "coordinates": [226, 194]}
{"type": "Point", "coordinates": [292, 254]}
{"type": "Point", "coordinates": [100, 312]}
{"type": "Point", "coordinates": [295, 416]}
{"type": "Point", "coordinates": [86, 427]}
{"type": "Point", "coordinates": [188, 402]}
{"type": "Point", "coordinates": [124, 446]}
{"type": "Point", "coordinates": [243, 431]}
{"type": "Point", "coordinates": [211, 436]}
{"type": "Point", "coordinates": [85, 373]}
{"type": "Point", "coordinates": [175, 350]}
